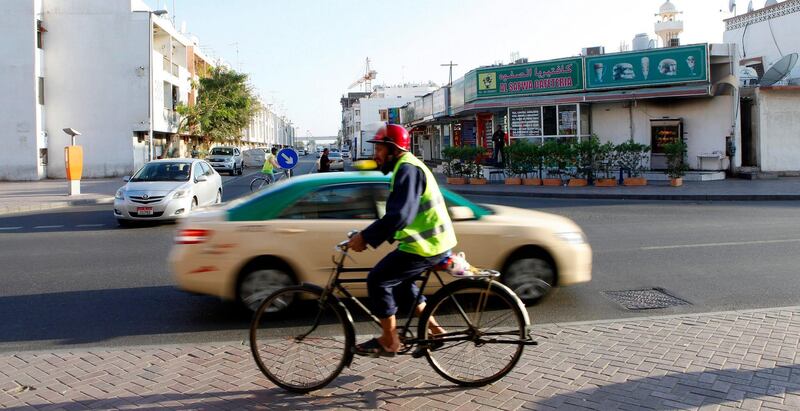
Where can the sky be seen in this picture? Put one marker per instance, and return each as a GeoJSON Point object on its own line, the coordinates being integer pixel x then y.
{"type": "Point", "coordinates": [301, 55]}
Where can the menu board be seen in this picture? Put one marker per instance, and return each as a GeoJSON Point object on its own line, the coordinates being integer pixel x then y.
{"type": "Point", "coordinates": [526, 122]}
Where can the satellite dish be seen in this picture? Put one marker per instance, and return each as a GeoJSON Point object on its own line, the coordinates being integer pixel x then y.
{"type": "Point", "coordinates": [779, 70]}
{"type": "Point", "coordinates": [770, 3]}
{"type": "Point", "coordinates": [732, 6]}
{"type": "Point", "coordinates": [750, 6]}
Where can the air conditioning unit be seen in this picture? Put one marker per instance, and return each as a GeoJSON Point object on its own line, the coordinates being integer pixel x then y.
{"type": "Point", "coordinates": [593, 51]}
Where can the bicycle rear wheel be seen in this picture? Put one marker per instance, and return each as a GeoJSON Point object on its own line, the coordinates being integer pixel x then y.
{"type": "Point", "coordinates": [484, 323]}
{"type": "Point", "coordinates": [257, 183]}
{"type": "Point", "coordinates": [303, 348]}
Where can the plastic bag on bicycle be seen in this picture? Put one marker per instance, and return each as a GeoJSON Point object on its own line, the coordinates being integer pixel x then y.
{"type": "Point", "coordinates": [456, 265]}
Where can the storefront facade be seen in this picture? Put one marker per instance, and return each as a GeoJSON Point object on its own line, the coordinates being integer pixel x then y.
{"type": "Point", "coordinates": [652, 96]}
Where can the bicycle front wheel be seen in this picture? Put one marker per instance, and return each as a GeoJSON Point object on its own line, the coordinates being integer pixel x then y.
{"type": "Point", "coordinates": [303, 348]}
{"type": "Point", "coordinates": [484, 326]}
{"type": "Point", "coordinates": [257, 183]}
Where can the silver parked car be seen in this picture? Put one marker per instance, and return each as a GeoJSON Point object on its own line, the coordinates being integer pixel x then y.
{"type": "Point", "coordinates": [226, 159]}
{"type": "Point", "coordinates": [167, 190]}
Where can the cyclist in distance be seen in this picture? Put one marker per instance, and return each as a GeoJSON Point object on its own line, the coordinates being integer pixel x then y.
{"type": "Point", "coordinates": [270, 165]}
{"type": "Point", "coordinates": [417, 218]}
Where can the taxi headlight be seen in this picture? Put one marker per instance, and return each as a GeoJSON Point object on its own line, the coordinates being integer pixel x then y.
{"type": "Point", "coordinates": [120, 195]}
{"type": "Point", "coordinates": [572, 237]}
{"type": "Point", "coordinates": [180, 193]}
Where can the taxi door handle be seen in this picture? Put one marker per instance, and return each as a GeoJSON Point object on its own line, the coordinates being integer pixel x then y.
{"type": "Point", "coordinates": [290, 230]}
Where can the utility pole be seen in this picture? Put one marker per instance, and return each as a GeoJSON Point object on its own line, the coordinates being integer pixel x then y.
{"type": "Point", "coordinates": [451, 64]}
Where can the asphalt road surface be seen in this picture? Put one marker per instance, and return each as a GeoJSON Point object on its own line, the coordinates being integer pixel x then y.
{"type": "Point", "coordinates": [71, 277]}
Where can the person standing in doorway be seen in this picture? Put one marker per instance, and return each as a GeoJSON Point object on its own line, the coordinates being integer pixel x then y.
{"type": "Point", "coordinates": [499, 140]}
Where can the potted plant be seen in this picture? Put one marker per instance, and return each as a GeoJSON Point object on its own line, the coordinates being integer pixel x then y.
{"type": "Point", "coordinates": [676, 168]}
{"type": "Point", "coordinates": [606, 160]}
{"type": "Point", "coordinates": [531, 158]}
{"type": "Point", "coordinates": [585, 158]}
{"type": "Point", "coordinates": [453, 165]}
{"type": "Point", "coordinates": [513, 167]}
{"type": "Point", "coordinates": [631, 157]}
{"type": "Point", "coordinates": [556, 158]}
{"type": "Point", "coordinates": [473, 157]}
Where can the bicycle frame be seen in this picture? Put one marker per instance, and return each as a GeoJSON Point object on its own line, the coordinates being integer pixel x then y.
{"type": "Point", "coordinates": [406, 334]}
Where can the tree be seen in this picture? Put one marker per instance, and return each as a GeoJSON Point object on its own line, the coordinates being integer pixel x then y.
{"type": "Point", "coordinates": [225, 106]}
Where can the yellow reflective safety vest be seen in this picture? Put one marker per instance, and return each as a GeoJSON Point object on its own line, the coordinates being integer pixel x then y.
{"type": "Point", "coordinates": [267, 169]}
{"type": "Point", "coordinates": [431, 233]}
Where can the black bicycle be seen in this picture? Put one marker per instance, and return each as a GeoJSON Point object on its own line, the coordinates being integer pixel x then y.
{"type": "Point", "coordinates": [259, 182]}
{"type": "Point", "coordinates": [303, 336]}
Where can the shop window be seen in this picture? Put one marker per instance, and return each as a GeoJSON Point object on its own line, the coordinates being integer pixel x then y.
{"type": "Point", "coordinates": [568, 120]}
{"type": "Point", "coordinates": [549, 120]}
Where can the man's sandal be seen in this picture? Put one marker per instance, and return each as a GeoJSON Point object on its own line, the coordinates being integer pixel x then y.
{"type": "Point", "coordinates": [372, 348]}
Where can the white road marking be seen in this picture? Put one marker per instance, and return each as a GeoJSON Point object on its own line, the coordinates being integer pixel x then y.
{"type": "Point", "coordinates": [9, 228]}
{"type": "Point", "coordinates": [89, 225]}
{"type": "Point", "coordinates": [668, 247]}
{"type": "Point", "coordinates": [42, 227]}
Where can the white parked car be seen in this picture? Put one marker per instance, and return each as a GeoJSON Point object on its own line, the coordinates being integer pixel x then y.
{"type": "Point", "coordinates": [167, 190]}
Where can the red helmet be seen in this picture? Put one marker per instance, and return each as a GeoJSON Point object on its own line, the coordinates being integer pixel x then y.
{"type": "Point", "coordinates": [393, 134]}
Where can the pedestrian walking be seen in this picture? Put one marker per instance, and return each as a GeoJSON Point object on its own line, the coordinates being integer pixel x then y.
{"type": "Point", "coordinates": [324, 162]}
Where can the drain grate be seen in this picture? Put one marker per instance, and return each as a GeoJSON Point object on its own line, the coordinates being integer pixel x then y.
{"type": "Point", "coordinates": [646, 299]}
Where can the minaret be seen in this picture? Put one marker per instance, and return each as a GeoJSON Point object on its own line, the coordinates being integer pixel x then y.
{"type": "Point", "coordinates": [669, 27]}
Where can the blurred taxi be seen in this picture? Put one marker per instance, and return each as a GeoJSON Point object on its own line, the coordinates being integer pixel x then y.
{"type": "Point", "coordinates": [286, 234]}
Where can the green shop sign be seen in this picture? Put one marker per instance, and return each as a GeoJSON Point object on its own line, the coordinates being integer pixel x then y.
{"type": "Point", "coordinates": [556, 76]}
{"type": "Point", "coordinates": [649, 67]}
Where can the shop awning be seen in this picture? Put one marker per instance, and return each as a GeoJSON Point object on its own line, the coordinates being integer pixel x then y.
{"type": "Point", "coordinates": [698, 90]}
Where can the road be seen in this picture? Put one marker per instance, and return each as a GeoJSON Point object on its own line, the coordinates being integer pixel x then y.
{"type": "Point", "coordinates": [73, 278]}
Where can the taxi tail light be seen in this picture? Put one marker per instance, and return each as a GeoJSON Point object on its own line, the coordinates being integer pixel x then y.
{"type": "Point", "coordinates": [192, 236]}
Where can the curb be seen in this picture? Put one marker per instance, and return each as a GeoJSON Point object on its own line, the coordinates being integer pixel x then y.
{"type": "Point", "coordinates": [662, 197]}
{"type": "Point", "coordinates": [55, 205]}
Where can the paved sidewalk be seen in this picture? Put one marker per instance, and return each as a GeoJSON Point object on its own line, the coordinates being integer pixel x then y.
{"type": "Point", "coordinates": [785, 188]}
{"type": "Point", "coordinates": [25, 196]}
{"type": "Point", "coordinates": [730, 360]}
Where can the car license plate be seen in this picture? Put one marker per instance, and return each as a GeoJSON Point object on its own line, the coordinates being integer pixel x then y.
{"type": "Point", "coordinates": [144, 210]}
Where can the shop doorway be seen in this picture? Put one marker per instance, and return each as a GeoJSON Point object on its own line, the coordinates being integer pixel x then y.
{"type": "Point", "coordinates": [749, 158]}
{"type": "Point", "coordinates": [662, 132]}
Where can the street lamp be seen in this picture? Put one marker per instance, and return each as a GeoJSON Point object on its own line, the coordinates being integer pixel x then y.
{"type": "Point", "coordinates": [150, 85]}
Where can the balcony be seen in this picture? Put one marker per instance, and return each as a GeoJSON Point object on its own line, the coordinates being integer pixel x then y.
{"type": "Point", "coordinates": [170, 67]}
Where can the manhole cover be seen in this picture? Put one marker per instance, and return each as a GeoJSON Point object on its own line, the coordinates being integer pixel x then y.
{"type": "Point", "coordinates": [646, 299]}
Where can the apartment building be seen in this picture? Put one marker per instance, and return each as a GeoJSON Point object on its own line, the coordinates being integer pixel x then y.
{"type": "Point", "coordinates": [110, 69]}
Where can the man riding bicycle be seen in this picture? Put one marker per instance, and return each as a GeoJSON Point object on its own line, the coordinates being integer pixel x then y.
{"type": "Point", "coordinates": [416, 217]}
{"type": "Point", "coordinates": [270, 165]}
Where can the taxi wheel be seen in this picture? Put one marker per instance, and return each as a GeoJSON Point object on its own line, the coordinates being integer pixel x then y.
{"type": "Point", "coordinates": [531, 276]}
{"type": "Point", "coordinates": [219, 197]}
{"type": "Point", "coordinates": [260, 283]}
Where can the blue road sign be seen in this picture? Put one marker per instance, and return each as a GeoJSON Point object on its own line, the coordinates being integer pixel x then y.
{"type": "Point", "coordinates": [288, 158]}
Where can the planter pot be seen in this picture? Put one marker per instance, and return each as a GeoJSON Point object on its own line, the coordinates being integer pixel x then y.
{"type": "Point", "coordinates": [532, 181]}
{"type": "Point", "coordinates": [551, 181]}
{"type": "Point", "coordinates": [456, 180]}
{"type": "Point", "coordinates": [513, 181]}
{"type": "Point", "coordinates": [578, 182]}
{"type": "Point", "coordinates": [605, 182]}
{"type": "Point", "coordinates": [634, 181]}
{"type": "Point", "coordinates": [676, 182]}
{"type": "Point", "coordinates": [477, 181]}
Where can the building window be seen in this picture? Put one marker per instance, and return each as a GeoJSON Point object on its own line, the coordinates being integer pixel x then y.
{"type": "Point", "coordinates": [549, 120]}
{"type": "Point", "coordinates": [39, 30]}
{"type": "Point", "coordinates": [358, 112]}
{"type": "Point", "coordinates": [41, 90]}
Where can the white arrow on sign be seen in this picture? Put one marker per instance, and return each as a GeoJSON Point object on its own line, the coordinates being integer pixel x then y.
{"type": "Point", "coordinates": [289, 160]}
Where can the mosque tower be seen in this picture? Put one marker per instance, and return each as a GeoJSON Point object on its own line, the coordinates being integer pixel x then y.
{"type": "Point", "coordinates": [669, 28]}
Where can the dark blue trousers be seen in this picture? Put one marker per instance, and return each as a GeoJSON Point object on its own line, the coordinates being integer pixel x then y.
{"type": "Point", "coordinates": [391, 282]}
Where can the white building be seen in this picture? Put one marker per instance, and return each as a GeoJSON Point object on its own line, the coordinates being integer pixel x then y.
{"type": "Point", "coordinates": [268, 129]}
{"type": "Point", "coordinates": [87, 64]}
{"type": "Point", "coordinates": [364, 114]}
{"type": "Point", "coordinates": [770, 113]}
